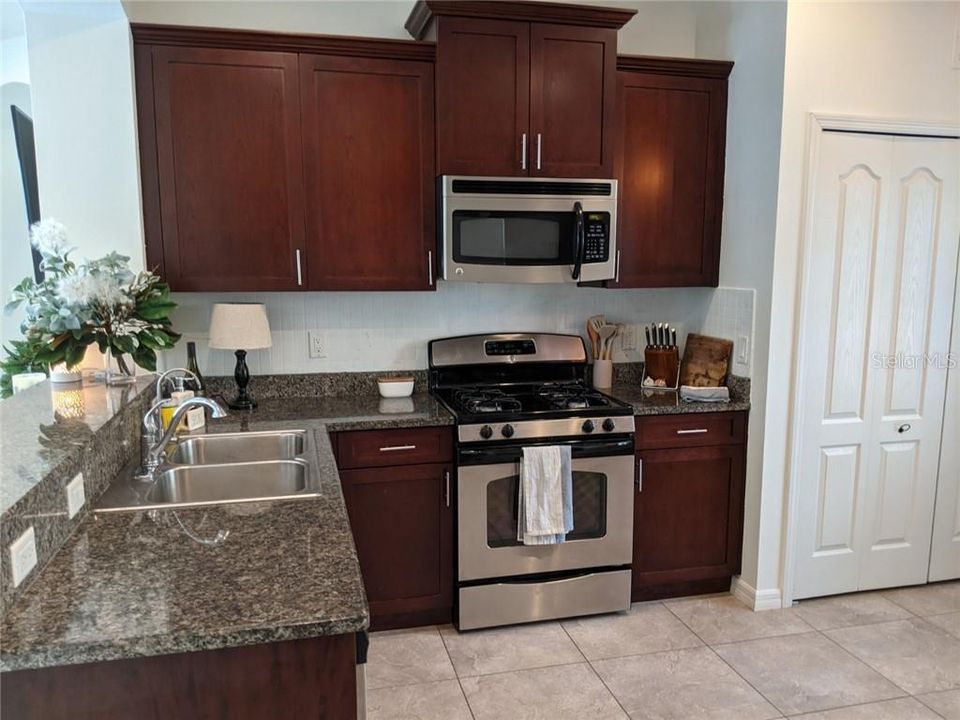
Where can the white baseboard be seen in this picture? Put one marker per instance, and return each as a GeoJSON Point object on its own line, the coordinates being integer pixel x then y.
{"type": "Point", "coordinates": [756, 599]}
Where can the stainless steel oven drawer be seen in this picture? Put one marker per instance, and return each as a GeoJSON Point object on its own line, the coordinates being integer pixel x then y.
{"type": "Point", "coordinates": [517, 602]}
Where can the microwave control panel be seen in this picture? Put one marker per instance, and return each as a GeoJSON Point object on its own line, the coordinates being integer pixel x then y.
{"type": "Point", "coordinates": [596, 228]}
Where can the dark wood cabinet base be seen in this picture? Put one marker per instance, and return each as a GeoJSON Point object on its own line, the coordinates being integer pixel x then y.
{"type": "Point", "coordinates": [311, 678]}
{"type": "Point", "coordinates": [681, 589]}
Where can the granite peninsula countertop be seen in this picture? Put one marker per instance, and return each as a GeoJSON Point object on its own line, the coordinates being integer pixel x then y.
{"type": "Point", "coordinates": [134, 584]}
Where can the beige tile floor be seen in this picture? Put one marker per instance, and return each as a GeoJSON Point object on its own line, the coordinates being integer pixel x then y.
{"type": "Point", "coordinates": [889, 655]}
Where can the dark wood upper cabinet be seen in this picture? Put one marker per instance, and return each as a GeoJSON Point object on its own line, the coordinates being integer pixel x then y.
{"type": "Point", "coordinates": [523, 88]}
{"type": "Point", "coordinates": [286, 162]}
{"type": "Point", "coordinates": [228, 168]}
{"type": "Point", "coordinates": [368, 169]}
{"type": "Point", "coordinates": [572, 100]}
{"type": "Point", "coordinates": [483, 97]}
{"type": "Point", "coordinates": [672, 118]}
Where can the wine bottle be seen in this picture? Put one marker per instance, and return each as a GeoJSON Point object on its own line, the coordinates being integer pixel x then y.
{"type": "Point", "coordinates": [195, 385]}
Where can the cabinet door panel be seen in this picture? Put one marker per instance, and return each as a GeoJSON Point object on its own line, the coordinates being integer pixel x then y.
{"type": "Point", "coordinates": [670, 167]}
{"type": "Point", "coordinates": [687, 516]}
{"type": "Point", "coordinates": [369, 169]}
{"type": "Point", "coordinates": [230, 173]}
{"type": "Point", "coordinates": [403, 529]}
{"type": "Point", "coordinates": [483, 96]}
{"type": "Point", "coordinates": [572, 100]}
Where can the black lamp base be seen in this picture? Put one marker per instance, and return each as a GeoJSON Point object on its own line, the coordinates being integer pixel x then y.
{"type": "Point", "coordinates": [241, 374]}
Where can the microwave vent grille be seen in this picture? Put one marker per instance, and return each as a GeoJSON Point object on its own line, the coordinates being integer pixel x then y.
{"type": "Point", "coordinates": [507, 187]}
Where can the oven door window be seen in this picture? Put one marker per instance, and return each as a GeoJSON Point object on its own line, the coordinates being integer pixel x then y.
{"type": "Point", "coordinates": [589, 509]}
{"type": "Point", "coordinates": [513, 238]}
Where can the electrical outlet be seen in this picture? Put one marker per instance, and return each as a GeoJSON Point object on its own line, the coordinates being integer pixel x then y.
{"type": "Point", "coordinates": [23, 555]}
{"type": "Point", "coordinates": [628, 340]}
{"type": "Point", "coordinates": [75, 495]}
{"type": "Point", "coordinates": [743, 349]}
{"type": "Point", "coordinates": [318, 348]}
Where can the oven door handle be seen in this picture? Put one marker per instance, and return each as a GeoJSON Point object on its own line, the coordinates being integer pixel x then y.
{"type": "Point", "coordinates": [579, 241]}
{"type": "Point", "coordinates": [512, 453]}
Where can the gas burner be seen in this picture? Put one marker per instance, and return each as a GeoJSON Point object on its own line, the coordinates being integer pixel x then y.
{"type": "Point", "coordinates": [571, 397]}
{"type": "Point", "coordinates": [486, 400]}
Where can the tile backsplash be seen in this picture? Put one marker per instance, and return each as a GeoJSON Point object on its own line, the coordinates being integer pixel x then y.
{"type": "Point", "coordinates": [386, 331]}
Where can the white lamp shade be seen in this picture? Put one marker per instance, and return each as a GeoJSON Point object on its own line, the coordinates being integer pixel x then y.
{"type": "Point", "coordinates": [239, 326]}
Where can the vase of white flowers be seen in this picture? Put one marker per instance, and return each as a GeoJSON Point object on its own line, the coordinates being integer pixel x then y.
{"type": "Point", "coordinates": [97, 301]}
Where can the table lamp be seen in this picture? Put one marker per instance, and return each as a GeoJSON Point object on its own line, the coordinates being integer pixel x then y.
{"type": "Point", "coordinates": [240, 327]}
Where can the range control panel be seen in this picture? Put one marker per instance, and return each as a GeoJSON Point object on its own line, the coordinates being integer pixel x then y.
{"type": "Point", "coordinates": [597, 237]}
{"type": "Point", "coordinates": [510, 347]}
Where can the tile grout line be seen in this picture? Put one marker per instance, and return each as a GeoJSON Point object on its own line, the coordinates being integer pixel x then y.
{"type": "Point", "coordinates": [723, 660]}
{"type": "Point", "coordinates": [456, 674]}
{"type": "Point", "coordinates": [935, 712]}
{"type": "Point", "coordinates": [594, 671]}
{"type": "Point", "coordinates": [866, 664]}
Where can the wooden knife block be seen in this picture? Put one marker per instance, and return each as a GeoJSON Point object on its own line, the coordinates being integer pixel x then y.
{"type": "Point", "coordinates": [662, 364]}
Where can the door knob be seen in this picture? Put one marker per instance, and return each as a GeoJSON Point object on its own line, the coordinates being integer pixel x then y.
{"type": "Point", "coordinates": [904, 428]}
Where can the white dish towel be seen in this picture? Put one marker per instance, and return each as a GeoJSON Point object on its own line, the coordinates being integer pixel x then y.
{"type": "Point", "coordinates": [545, 497]}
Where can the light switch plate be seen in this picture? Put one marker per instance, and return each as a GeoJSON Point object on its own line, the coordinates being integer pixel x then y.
{"type": "Point", "coordinates": [743, 349]}
{"type": "Point", "coordinates": [75, 495]}
{"type": "Point", "coordinates": [23, 555]}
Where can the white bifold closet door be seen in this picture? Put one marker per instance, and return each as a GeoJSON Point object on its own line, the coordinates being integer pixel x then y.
{"type": "Point", "coordinates": [876, 314]}
{"type": "Point", "coordinates": [945, 548]}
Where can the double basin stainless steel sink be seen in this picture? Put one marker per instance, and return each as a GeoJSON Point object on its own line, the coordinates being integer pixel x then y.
{"type": "Point", "coordinates": [221, 468]}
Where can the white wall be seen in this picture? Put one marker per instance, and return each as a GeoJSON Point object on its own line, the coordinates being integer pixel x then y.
{"type": "Point", "coordinates": [884, 60]}
{"type": "Point", "coordinates": [752, 34]}
{"type": "Point", "coordinates": [15, 259]}
{"type": "Point", "coordinates": [81, 75]}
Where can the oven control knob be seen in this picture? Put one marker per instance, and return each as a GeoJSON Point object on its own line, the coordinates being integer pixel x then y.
{"type": "Point", "coordinates": [486, 432]}
{"type": "Point", "coordinates": [609, 424]}
{"type": "Point", "coordinates": [588, 426]}
{"type": "Point", "coordinates": [507, 431]}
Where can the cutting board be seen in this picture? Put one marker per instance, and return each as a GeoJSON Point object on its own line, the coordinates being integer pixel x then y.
{"type": "Point", "coordinates": [706, 361]}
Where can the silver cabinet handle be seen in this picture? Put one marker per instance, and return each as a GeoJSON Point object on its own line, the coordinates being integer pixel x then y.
{"type": "Point", "coordinates": [299, 270]}
{"type": "Point", "coordinates": [697, 431]}
{"type": "Point", "coordinates": [430, 266]}
{"type": "Point", "coordinates": [523, 151]}
{"type": "Point", "coordinates": [395, 448]}
{"type": "Point", "coordinates": [616, 277]}
{"type": "Point", "coordinates": [539, 154]}
{"type": "Point", "coordinates": [446, 489]}
{"type": "Point", "coordinates": [639, 476]}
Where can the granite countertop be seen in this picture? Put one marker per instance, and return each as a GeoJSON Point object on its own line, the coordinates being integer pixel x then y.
{"type": "Point", "coordinates": [665, 402]}
{"type": "Point", "coordinates": [46, 426]}
{"type": "Point", "coordinates": [133, 584]}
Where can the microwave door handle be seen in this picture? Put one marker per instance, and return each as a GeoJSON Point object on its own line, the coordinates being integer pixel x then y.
{"type": "Point", "coordinates": [579, 240]}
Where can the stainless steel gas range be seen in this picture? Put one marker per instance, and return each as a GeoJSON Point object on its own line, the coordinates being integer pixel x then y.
{"type": "Point", "coordinates": [512, 390]}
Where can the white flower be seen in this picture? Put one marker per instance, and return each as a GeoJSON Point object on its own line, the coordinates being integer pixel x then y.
{"type": "Point", "coordinates": [49, 237]}
{"type": "Point", "coordinates": [106, 292]}
{"type": "Point", "coordinates": [75, 289]}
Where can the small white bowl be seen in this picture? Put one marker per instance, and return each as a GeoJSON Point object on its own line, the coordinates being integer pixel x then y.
{"type": "Point", "coordinates": [395, 387]}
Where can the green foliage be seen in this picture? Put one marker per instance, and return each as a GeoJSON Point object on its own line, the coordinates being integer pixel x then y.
{"type": "Point", "coordinates": [77, 305]}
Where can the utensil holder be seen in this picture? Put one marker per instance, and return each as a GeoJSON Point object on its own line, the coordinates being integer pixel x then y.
{"type": "Point", "coordinates": [662, 364]}
{"type": "Point", "coordinates": [602, 373]}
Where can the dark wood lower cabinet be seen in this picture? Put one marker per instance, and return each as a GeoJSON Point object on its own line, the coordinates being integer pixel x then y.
{"type": "Point", "coordinates": [688, 520]}
{"type": "Point", "coordinates": [402, 520]}
{"type": "Point", "coordinates": [313, 678]}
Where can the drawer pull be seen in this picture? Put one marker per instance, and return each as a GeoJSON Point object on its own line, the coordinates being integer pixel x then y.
{"type": "Point", "coordinates": [446, 489]}
{"type": "Point", "coordinates": [696, 431]}
{"type": "Point", "coordinates": [639, 476]}
{"type": "Point", "coordinates": [395, 448]}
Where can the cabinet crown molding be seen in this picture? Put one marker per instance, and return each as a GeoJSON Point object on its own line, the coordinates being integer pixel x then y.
{"type": "Point", "coordinates": [548, 12]}
{"type": "Point", "coordinates": [186, 36]}
{"type": "Point", "coordinates": [686, 67]}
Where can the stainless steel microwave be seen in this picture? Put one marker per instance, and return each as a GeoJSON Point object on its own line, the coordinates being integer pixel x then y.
{"type": "Point", "coordinates": [528, 230]}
